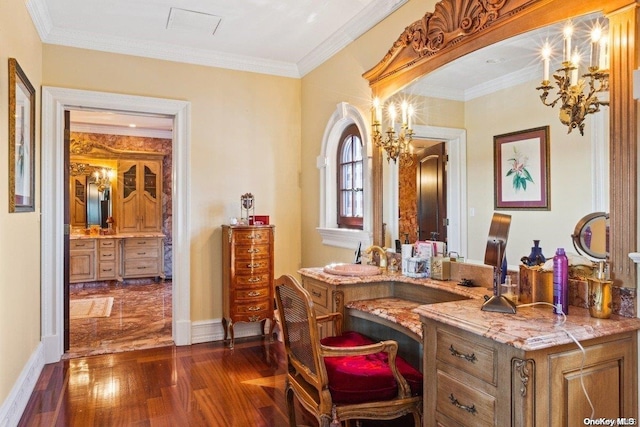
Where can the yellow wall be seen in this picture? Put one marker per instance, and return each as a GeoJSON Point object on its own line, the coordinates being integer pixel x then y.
{"type": "Point", "coordinates": [245, 137]}
{"type": "Point", "coordinates": [340, 80]}
{"type": "Point", "coordinates": [20, 251]}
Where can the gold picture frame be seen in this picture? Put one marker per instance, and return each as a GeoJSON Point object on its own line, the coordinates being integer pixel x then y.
{"type": "Point", "coordinates": [22, 133]}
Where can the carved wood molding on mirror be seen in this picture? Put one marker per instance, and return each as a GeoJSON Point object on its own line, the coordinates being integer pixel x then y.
{"type": "Point", "coordinates": [458, 27]}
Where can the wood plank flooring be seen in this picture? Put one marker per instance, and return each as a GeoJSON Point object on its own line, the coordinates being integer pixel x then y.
{"type": "Point", "coordinates": [200, 385]}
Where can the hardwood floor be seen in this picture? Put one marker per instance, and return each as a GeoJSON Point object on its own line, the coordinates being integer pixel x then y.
{"type": "Point", "coordinates": [200, 385]}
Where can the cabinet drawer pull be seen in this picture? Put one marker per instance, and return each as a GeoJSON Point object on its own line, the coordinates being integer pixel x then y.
{"type": "Point", "coordinates": [254, 265]}
{"type": "Point", "coordinates": [142, 253]}
{"type": "Point", "coordinates": [253, 236]}
{"type": "Point", "coordinates": [468, 357]}
{"type": "Point", "coordinates": [254, 318]}
{"type": "Point", "coordinates": [253, 250]}
{"type": "Point", "coordinates": [142, 268]}
{"type": "Point", "coordinates": [254, 293]}
{"type": "Point", "coordinates": [316, 294]}
{"type": "Point", "coordinates": [470, 409]}
{"type": "Point", "coordinates": [254, 308]}
{"type": "Point", "coordinates": [80, 245]}
{"type": "Point", "coordinates": [254, 279]}
{"type": "Point", "coordinates": [142, 243]}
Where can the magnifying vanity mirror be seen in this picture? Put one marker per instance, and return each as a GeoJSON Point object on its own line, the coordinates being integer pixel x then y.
{"type": "Point", "coordinates": [437, 40]}
{"type": "Point", "coordinates": [591, 236]}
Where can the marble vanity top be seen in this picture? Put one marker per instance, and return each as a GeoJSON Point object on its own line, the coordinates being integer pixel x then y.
{"type": "Point", "coordinates": [530, 328]}
{"type": "Point", "coordinates": [386, 276]}
{"type": "Point", "coordinates": [75, 236]}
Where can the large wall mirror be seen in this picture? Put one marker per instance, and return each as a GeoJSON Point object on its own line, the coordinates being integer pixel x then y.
{"type": "Point", "coordinates": [427, 56]}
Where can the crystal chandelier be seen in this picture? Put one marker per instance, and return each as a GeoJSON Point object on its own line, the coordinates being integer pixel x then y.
{"type": "Point", "coordinates": [396, 146]}
{"type": "Point", "coordinates": [577, 94]}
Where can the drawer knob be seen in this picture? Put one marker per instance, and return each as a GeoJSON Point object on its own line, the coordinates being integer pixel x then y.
{"type": "Point", "coordinates": [254, 236]}
{"type": "Point", "coordinates": [254, 308]}
{"type": "Point", "coordinates": [468, 357]}
{"type": "Point", "coordinates": [252, 265]}
{"type": "Point", "coordinates": [470, 409]}
{"type": "Point", "coordinates": [253, 250]}
{"type": "Point", "coordinates": [255, 293]}
{"type": "Point", "coordinates": [254, 279]}
{"type": "Point", "coordinates": [142, 253]}
{"type": "Point", "coordinates": [316, 294]}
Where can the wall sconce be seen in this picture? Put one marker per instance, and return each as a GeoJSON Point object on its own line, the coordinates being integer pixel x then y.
{"type": "Point", "coordinates": [102, 178]}
{"type": "Point", "coordinates": [395, 146]}
{"type": "Point", "coordinates": [578, 96]}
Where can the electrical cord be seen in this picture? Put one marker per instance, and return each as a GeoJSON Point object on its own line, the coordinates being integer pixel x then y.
{"type": "Point", "coordinates": [584, 353]}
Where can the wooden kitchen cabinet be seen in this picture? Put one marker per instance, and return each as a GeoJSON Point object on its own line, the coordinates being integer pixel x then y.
{"type": "Point", "coordinates": [143, 257]}
{"type": "Point", "coordinates": [140, 195]}
{"type": "Point", "coordinates": [247, 276]}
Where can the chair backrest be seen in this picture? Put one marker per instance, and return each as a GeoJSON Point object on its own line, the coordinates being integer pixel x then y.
{"type": "Point", "coordinates": [300, 331]}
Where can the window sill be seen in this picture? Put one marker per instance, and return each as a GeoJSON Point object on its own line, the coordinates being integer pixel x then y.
{"type": "Point", "coordinates": [345, 238]}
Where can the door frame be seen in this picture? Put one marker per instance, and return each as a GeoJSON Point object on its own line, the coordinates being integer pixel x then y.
{"type": "Point", "coordinates": [456, 147]}
{"type": "Point", "coordinates": [54, 102]}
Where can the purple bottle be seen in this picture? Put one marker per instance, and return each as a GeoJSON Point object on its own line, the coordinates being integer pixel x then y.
{"type": "Point", "coordinates": [560, 282]}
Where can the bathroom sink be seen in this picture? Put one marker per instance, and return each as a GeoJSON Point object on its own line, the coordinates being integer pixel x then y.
{"type": "Point", "coordinates": [352, 269]}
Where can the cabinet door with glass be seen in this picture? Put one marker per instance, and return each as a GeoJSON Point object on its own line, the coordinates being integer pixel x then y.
{"type": "Point", "coordinates": [140, 202]}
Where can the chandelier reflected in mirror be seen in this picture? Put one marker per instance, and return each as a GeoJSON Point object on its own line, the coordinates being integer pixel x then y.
{"type": "Point", "coordinates": [102, 178]}
{"type": "Point", "coordinates": [577, 93]}
{"type": "Point", "coordinates": [396, 146]}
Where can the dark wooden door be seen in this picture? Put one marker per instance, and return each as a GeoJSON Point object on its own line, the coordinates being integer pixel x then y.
{"type": "Point", "coordinates": [432, 197]}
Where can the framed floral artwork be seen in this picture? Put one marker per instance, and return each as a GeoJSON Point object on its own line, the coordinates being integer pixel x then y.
{"type": "Point", "coordinates": [22, 114]}
{"type": "Point", "coordinates": [521, 169]}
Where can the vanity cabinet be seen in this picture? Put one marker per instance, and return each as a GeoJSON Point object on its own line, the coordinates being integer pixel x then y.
{"type": "Point", "coordinates": [140, 195]}
{"type": "Point", "coordinates": [247, 276]}
{"type": "Point", "coordinates": [471, 380]}
{"type": "Point", "coordinates": [82, 260]}
{"type": "Point", "coordinates": [78, 201]}
{"type": "Point", "coordinates": [142, 257]}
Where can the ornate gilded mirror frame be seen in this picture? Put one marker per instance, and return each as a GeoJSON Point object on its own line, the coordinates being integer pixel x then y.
{"type": "Point", "coordinates": [458, 27]}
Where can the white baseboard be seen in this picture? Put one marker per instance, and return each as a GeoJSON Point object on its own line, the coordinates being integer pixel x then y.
{"type": "Point", "coordinates": [212, 330]}
{"type": "Point", "coordinates": [15, 404]}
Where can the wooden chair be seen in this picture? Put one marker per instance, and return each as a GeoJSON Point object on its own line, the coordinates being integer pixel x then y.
{"type": "Point", "coordinates": [324, 375]}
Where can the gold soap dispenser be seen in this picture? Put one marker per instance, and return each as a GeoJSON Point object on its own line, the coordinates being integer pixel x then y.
{"type": "Point", "coordinates": [600, 294]}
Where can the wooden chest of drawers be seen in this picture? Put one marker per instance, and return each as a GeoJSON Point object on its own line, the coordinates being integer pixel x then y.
{"type": "Point", "coordinates": [247, 288]}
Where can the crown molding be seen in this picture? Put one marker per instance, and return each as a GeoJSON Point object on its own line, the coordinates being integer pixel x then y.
{"type": "Point", "coordinates": [357, 26]}
{"type": "Point", "coordinates": [120, 130]}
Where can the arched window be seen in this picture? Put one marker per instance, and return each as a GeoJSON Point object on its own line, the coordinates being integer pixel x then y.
{"type": "Point", "coordinates": [350, 193]}
{"type": "Point", "coordinates": [345, 120]}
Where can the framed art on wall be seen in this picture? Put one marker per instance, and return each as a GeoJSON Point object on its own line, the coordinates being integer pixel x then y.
{"type": "Point", "coordinates": [521, 169]}
{"type": "Point", "coordinates": [22, 100]}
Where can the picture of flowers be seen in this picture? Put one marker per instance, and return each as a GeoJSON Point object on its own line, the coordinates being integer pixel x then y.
{"type": "Point", "coordinates": [521, 169]}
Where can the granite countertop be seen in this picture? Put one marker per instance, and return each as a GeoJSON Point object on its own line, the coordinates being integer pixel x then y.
{"type": "Point", "coordinates": [75, 236]}
{"type": "Point", "coordinates": [445, 285]}
{"type": "Point", "coordinates": [530, 328]}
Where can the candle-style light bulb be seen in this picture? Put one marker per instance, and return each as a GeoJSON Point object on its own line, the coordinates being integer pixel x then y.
{"type": "Point", "coordinates": [404, 107]}
{"type": "Point", "coordinates": [392, 114]}
{"type": "Point", "coordinates": [596, 35]}
{"type": "Point", "coordinates": [568, 32]}
{"type": "Point", "coordinates": [546, 56]}
{"type": "Point", "coordinates": [575, 62]}
{"type": "Point", "coordinates": [377, 110]}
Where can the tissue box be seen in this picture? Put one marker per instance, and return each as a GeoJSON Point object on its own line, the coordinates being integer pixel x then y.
{"type": "Point", "coordinates": [535, 285]}
{"type": "Point", "coordinates": [440, 268]}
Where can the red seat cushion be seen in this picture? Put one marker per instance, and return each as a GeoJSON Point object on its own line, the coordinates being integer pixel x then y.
{"type": "Point", "coordinates": [359, 379]}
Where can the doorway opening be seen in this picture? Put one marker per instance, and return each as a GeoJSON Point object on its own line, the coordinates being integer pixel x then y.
{"type": "Point", "coordinates": [120, 169]}
{"type": "Point", "coordinates": [54, 102]}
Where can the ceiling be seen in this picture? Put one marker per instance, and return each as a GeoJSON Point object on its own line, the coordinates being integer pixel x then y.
{"type": "Point", "coordinates": [279, 37]}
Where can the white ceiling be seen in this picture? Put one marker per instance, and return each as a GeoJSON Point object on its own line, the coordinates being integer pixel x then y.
{"type": "Point", "coordinates": [280, 37]}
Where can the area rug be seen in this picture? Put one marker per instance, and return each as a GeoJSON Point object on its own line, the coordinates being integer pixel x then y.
{"type": "Point", "coordinates": [91, 307]}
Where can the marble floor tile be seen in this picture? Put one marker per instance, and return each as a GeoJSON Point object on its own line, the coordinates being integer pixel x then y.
{"type": "Point", "coordinates": [140, 318]}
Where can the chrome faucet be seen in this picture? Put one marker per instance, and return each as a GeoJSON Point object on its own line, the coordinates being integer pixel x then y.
{"type": "Point", "coordinates": [382, 253]}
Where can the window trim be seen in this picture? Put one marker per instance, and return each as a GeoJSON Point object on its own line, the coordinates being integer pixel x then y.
{"type": "Point", "coordinates": [351, 222]}
{"type": "Point", "coordinates": [343, 116]}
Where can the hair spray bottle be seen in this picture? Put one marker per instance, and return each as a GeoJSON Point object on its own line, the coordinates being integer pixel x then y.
{"type": "Point", "coordinates": [560, 282]}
